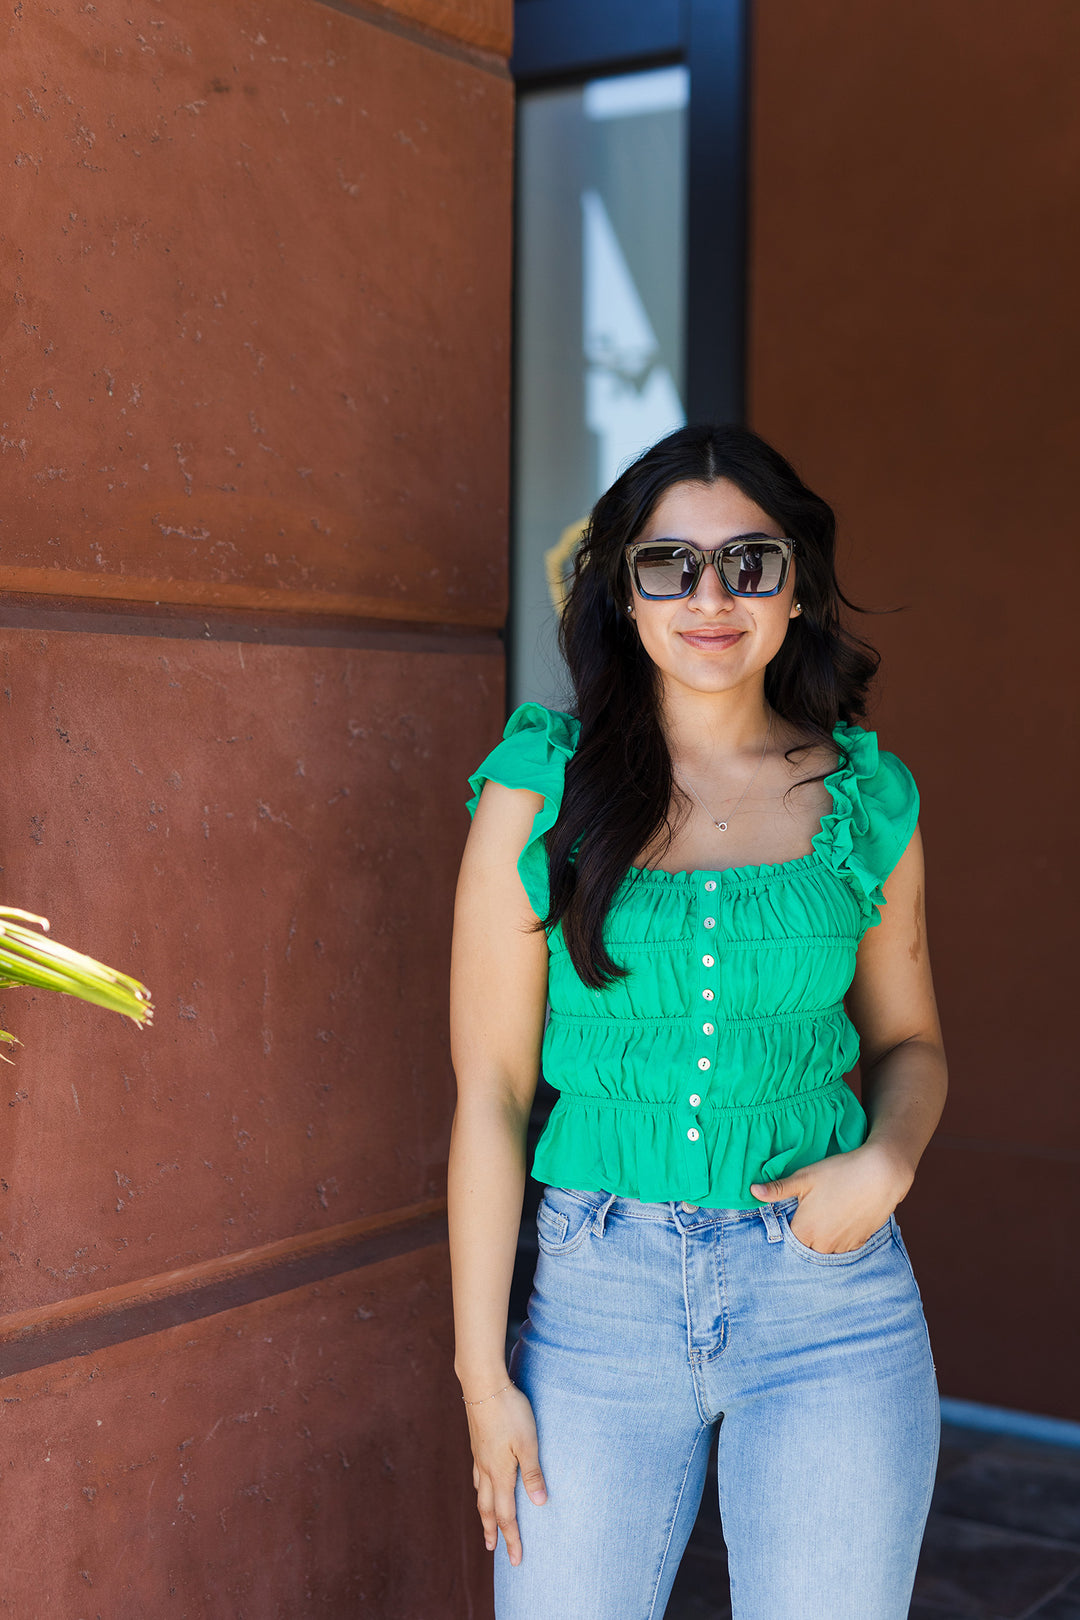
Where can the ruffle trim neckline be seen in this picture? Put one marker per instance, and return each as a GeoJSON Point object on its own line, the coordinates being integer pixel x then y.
{"type": "Point", "coordinates": [841, 842]}
{"type": "Point", "coordinates": [832, 845]}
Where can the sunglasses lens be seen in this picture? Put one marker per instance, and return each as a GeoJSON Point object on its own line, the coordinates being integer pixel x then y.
{"type": "Point", "coordinates": [666, 570]}
{"type": "Point", "coordinates": [753, 567]}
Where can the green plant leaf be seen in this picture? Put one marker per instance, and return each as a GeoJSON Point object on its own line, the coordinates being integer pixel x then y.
{"type": "Point", "coordinates": [27, 958]}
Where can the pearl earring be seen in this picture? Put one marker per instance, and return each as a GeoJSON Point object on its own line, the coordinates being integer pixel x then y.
{"type": "Point", "coordinates": [798, 607]}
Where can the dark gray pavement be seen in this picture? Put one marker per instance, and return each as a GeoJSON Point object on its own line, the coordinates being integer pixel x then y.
{"type": "Point", "coordinates": [1002, 1541]}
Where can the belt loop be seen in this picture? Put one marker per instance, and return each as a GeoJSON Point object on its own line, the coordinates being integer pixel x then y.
{"type": "Point", "coordinates": [601, 1215]}
{"type": "Point", "coordinates": [772, 1225]}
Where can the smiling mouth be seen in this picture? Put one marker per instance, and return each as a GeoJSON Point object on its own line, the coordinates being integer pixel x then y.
{"type": "Point", "coordinates": [712, 638]}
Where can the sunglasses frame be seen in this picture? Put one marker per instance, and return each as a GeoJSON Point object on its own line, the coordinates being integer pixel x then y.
{"type": "Point", "coordinates": [707, 558]}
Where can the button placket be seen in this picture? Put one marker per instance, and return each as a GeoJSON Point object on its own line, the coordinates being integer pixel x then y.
{"type": "Point", "coordinates": [708, 962]}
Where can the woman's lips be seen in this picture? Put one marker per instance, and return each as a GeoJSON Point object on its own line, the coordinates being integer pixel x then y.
{"type": "Point", "coordinates": [712, 640]}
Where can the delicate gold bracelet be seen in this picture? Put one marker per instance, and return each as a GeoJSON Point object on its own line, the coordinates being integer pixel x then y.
{"type": "Point", "coordinates": [510, 1385]}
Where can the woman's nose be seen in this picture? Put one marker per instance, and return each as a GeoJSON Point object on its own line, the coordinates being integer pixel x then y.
{"type": "Point", "coordinates": [710, 594]}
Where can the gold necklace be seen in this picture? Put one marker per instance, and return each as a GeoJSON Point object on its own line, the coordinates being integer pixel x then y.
{"type": "Point", "coordinates": [722, 826]}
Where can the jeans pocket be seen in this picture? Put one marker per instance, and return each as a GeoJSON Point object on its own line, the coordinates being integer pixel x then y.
{"type": "Point", "coordinates": [846, 1257]}
{"type": "Point", "coordinates": [563, 1219]}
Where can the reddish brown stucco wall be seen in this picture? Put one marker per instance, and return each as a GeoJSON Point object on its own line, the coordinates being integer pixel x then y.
{"type": "Point", "coordinates": [253, 446]}
{"type": "Point", "coordinates": [913, 347]}
{"type": "Point", "coordinates": [215, 221]}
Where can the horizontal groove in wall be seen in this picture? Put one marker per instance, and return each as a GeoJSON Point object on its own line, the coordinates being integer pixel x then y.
{"type": "Point", "coordinates": [22, 611]}
{"type": "Point", "coordinates": [196, 596]}
{"type": "Point", "coordinates": [78, 1327]}
{"type": "Point", "coordinates": [490, 56]}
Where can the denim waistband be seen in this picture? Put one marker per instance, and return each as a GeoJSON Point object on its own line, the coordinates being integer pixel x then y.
{"type": "Point", "coordinates": [679, 1211]}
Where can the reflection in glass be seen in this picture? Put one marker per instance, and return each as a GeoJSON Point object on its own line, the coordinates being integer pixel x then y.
{"type": "Point", "coordinates": [600, 324]}
{"type": "Point", "coordinates": [668, 568]}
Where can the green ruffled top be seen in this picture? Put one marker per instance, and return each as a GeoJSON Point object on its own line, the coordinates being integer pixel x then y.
{"type": "Point", "coordinates": [719, 1059]}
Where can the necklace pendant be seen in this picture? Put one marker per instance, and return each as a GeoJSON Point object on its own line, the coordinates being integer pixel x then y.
{"type": "Point", "coordinates": [722, 826]}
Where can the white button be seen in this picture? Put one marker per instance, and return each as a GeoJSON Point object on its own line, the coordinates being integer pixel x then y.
{"type": "Point", "coordinates": [708, 1029]}
{"type": "Point", "coordinates": [690, 1209]}
{"type": "Point", "coordinates": [710, 922]}
{"type": "Point", "coordinates": [708, 995]}
{"type": "Point", "coordinates": [695, 1100]}
{"type": "Point", "coordinates": [692, 1134]}
{"type": "Point", "coordinates": [708, 961]}
{"type": "Point", "coordinates": [710, 886]}
{"type": "Point", "coordinates": [703, 1063]}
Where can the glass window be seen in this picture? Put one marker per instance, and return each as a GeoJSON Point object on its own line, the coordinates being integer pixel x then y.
{"type": "Point", "coordinates": [600, 337]}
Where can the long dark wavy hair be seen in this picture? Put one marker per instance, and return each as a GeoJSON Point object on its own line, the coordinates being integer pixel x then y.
{"type": "Point", "coordinates": [619, 783]}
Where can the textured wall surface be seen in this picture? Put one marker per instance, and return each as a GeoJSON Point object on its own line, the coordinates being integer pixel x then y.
{"type": "Point", "coordinates": [247, 361]}
{"type": "Point", "coordinates": [253, 448]}
{"type": "Point", "coordinates": [914, 349]}
{"type": "Point", "coordinates": [256, 829]}
{"type": "Point", "coordinates": [225, 1468]}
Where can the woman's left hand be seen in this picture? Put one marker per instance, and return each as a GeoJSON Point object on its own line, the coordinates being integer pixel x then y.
{"type": "Point", "coordinates": [843, 1199]}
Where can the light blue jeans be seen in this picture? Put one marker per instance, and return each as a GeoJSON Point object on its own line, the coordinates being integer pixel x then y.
{"type": "Point", "coordinates": [648, 1323]}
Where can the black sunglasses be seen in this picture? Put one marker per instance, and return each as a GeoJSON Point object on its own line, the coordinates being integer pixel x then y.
{"type": "Point", "coordinates": [754, 565]}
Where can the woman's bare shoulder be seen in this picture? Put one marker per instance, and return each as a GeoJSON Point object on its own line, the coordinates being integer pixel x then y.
{"type": "Point", "coordinates": [504, 816]}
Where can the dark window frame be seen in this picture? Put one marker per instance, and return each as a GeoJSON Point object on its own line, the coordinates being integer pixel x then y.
{"type": "Point", "coordinates": [567, 41]}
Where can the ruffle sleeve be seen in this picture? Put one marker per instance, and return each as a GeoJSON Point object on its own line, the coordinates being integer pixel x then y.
{"type": "Point", "coordinates": [875, 808]}
{"type": "Point", "coordinates": [536, 745]}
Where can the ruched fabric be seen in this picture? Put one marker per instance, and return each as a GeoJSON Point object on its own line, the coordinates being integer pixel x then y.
{"type": "Point", "coordinates": [719, 1058]}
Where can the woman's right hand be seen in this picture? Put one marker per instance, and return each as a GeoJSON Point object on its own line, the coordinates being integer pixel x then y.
{"type": "Point", "coordinates": [502, 1433]}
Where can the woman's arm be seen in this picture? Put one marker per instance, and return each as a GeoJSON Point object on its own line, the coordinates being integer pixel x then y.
{"type": "Point", "coordinates": [498, 996]}
{"type": "Point", "coordinates": [843, 1199]}
{"type": "Point", "coordinates": [892, 1005]}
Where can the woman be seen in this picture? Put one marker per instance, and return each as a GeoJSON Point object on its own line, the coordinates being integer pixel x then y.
{"type": "Point", "coordinates": [694, 871]}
